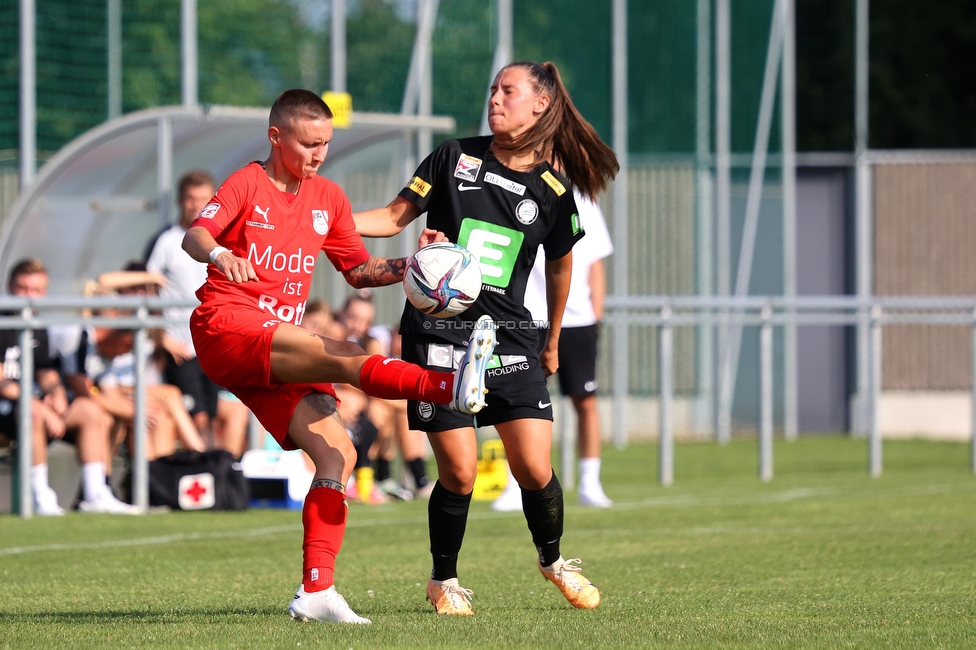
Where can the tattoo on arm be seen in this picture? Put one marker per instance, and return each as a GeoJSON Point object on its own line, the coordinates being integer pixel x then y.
{"type": "Point", "coordinates": [329, 483]}
{"type": "Point", "coordinates": [321, 403]}
{"type": "Point", "coordinates": [377, 272]}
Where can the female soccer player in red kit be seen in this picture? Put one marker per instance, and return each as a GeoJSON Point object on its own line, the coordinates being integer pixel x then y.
{"type": "Point", "coordinates": [261, 234]}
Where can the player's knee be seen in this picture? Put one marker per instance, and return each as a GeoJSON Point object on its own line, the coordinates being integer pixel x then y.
{"type": "Point", "coordinates": [459, 480]}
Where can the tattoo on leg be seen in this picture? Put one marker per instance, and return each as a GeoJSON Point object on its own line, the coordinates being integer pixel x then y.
{"type": "Point", "coordinates": [329, 483]}
{"type": "Point", "coordinates": [321, 403]}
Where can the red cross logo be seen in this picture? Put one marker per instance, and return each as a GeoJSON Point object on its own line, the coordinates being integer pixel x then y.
{"type": "Point", "coordinates": [196, 491]}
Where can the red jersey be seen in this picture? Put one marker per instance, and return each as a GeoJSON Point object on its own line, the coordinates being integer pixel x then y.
{"type": "Point", "coordinates": [251, 217]}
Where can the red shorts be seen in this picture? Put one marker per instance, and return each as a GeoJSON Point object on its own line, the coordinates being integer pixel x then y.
{"type": "Point", "coordinates": [233, 345]}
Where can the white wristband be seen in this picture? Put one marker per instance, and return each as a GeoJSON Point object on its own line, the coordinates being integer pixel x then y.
{"type": "Point", "coordinates": [215, 251]}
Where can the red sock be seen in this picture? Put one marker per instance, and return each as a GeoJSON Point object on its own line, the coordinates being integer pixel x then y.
{"type": "Point", "coordinates": [324, 519]}
{"type": "Point", "coordinates": [388, 378]}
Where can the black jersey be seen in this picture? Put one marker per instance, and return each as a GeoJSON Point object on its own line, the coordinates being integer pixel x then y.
{"type": "Point", "coordinates": [501, 216]}
{"type": "Point", "coordinates": [10, 349]}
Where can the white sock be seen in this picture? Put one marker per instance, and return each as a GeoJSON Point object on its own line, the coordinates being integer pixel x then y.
{"type": "Point", "coordinates": [93, 478]}
{"type": "Point", "coordinates": [589, 469]}
{"type": "Point", "coordinates": [38, 478]}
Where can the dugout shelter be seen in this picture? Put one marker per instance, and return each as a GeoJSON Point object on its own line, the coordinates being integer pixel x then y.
{"type": "Point", "coordinates": [96, 204]}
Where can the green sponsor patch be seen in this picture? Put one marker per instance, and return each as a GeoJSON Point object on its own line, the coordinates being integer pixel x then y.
{"type": "Point", "coordinates": [495, 247]}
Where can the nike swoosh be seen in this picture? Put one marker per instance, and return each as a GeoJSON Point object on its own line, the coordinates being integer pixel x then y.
{"type": "Point", "coordinates": [464, 188]}
{"type": "Point", "coordinates": [542, 406]}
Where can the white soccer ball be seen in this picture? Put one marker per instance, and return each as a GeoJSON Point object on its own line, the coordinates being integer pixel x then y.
{"type": "Point", "coordinates": [442, 279]}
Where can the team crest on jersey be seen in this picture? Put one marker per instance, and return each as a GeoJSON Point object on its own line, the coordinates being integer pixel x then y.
{"type": "Point", "coordinates": [209, 211]}
{"type": "Point", "coordinates": [467, 168]}
{"type": "Point", "coordinates": [320, 221]}
{"type": "Point", "coordinates": [425, 411]}
{"type": "Point", "coordinates": [527, 211]}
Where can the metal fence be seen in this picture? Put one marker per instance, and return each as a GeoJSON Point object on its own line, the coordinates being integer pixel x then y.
{"type": "Point", "coordinates": [663, 313]}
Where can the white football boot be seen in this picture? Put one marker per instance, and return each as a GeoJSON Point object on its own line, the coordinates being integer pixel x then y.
{"type": "Point", "coordinates": [469, 378]}
{"type": "Point", "coordinates": [46, 503]}
{"type": "Point", "coordinates": [106, 503]}
{"type": "Point", "coordinates": [327, 606]}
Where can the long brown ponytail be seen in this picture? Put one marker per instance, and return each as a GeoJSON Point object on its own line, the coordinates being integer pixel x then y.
{"type": "Point", "coordinates": [563, 136]}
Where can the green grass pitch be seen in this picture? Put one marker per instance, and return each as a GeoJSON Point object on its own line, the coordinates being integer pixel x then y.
{"type": "Point", "coordinates": [822, 556]}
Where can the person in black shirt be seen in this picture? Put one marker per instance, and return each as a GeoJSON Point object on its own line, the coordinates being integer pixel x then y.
{"type": "Point", "coordinates": [501, 196]}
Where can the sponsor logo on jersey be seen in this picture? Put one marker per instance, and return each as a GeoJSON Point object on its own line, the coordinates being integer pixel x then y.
{"type": "Point", "coordinates": [553, 182]}
{"type": "Point", "coordinates": [495, 247]}
{"type": "Point", "coordinates": [506, 364]}
{"type": "Point", "coordinates": [258, 224]}
{"type": "Point", "coordinates": [527, 211]}
{"type": "Point", "coordinates": [590, 386]}
{"type": "Point", "coordinates": [505, 184]}
{"type": "Point", "coordinates": [284, 313]}
{"type": "Point", "coordinates": [263, 213]}
{"type": "Point", "coordinates": [577, 224]}
{"type": "Point", "coordinates": [269, 260]}
{"type": "Point", "coordinates": [467, 168]}
{"type": "Point", "coordinates": [425, 411]}
{"type": "Point", "coordinates": [320, 221]}
{"type": "Point", "coordinates": [419, 186]}
{"type": "Point", "coordinates": [467, 188]}
{"type": "Point", "coordinates": [209, 211]}
{"type": "Point", "coordinates": [440, 356]}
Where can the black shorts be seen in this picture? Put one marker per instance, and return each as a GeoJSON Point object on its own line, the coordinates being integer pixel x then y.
{"type": "Point", "coordinates": [8, 418]}
{"type": "Point", "coordinates": [9, 426]}
{"type": "Point", "coordinates": [199, 391]}
{"type": "Point", "coordinates": [516, 388]}
{"type": "Point", "coordinates": [577, 360]}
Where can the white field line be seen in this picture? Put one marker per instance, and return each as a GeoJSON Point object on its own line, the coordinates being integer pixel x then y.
{"type": "Point", "coordinates": [677, 501]}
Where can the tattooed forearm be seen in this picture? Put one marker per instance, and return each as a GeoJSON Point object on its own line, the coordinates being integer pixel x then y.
{"type": "Point", "coordinates": [322, 403]}
{"type": "Point", "coordinates": [329, 483]}
{"type": "Point", "coordinates": [377, 272]}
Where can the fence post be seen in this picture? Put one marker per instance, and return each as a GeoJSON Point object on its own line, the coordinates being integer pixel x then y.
{"type": "Point", "coordinates": [621, 375]}
{"type": "Point", "coordinates": [766, 394]}
{"type": "Point", "coordinates": [25, 439]}
{"type": "Point", "coordinates": [567, 439]}
{"type": "Point", "coordinates": [972, 449]}
{"type": "Point", "coordinates": [666, 420]}
{"type": "Point", "coordinates": [874, 394]}
{"type": "Point", "coordinates": [140, 466]}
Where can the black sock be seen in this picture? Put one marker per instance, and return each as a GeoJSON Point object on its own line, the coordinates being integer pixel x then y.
{"type": "Point", "coordinates": [419, 470]}
{"type": "Point", "coordinates": [382, 469]}
{"type": "Point", "coordinates": [544, 513]}
{"type": "Point", "coordinates": [447, 516]}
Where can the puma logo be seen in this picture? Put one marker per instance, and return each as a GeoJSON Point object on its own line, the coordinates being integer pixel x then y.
{"type": "Point", "coordinates": [263, 213]}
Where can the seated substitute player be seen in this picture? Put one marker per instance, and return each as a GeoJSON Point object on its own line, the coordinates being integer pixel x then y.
{"type": "Point", "coordinates": [261, 233]}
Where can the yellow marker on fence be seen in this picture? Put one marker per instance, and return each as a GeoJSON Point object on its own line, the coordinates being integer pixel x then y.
{"type": "Point", "coordinates": [341, 105]}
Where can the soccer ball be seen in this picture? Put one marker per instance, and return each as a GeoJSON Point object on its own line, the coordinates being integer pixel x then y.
{"type": "Point", "coordinates": [442, 279]}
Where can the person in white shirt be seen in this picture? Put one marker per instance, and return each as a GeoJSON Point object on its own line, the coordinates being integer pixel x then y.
{"type": "Point", "coordinates": [577, 349]}
{"type": "Point", "coordinates": [212, 408]}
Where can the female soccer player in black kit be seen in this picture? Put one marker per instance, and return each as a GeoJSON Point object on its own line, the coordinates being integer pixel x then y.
{"type": "Point", "coordinates": [500, 196]}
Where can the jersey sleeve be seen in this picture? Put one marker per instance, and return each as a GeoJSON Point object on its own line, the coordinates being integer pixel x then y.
{"type": "Point", "coordinates": [226, 205]}
{"type": "Point", "coordinates": [343, 245]}
{"type": "Point", "coordinates": [566, 228]}
{"type": "Point", "coordinates": [423, 185]}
